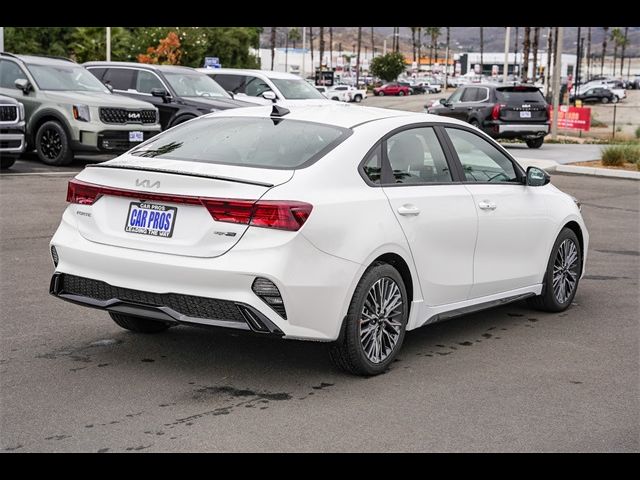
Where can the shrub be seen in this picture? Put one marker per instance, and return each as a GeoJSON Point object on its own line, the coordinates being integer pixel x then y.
{"type": "Point", "coordinates": [617, 155]}
{"type": "Point", "coordinates": [638, 132]}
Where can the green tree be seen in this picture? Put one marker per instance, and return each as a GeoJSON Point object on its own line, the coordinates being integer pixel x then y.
{"type": "Point", "coordinates": [294, 36]}
{"type": "Point", "coordinates": [618, 39]}
{"type": "Point", "coordinates": [388, 67]}
{"type": "Point", "coordinates": [90, 43]}
{"type": "Point", "coordinates": [604, 48]}
{"type": "Point", "coordinates": [38, 40]}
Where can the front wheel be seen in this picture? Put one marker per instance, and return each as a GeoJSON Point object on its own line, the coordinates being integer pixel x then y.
{"type": "Point", "coordinates": [401, 93]}
{"type": "Point", "coordinates": [381, 94]}
{"type": "Point", "coordinates": [375, 323]}
{"type": "Point", "coordinates": [535, 143]}
{"type": "Point", "coordinates": [605, 100]}
{"type": "Point", "coordinates": [357, 98]}
{"type": "Point", "coordinates": [138, 324]}
{"type": "Point", "coordinates": [615, 99]}
{"type": "Point", "coordinates": [563, 274]}
{"type": "Point", "coordinates": [53, 145]}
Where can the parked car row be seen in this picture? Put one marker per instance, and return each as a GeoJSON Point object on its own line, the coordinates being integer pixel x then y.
{"type": "Point", "coordinates": [62, 108]}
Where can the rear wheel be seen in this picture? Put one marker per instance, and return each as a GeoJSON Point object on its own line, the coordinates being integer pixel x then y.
{"type": "Point", "coordinates": [375, 324]}
{"type": "Point", "coordinates": [605, 100]}
{"type": "Point", "coordinates": [474, 123]}
{"type": "Point", "coordinates": [535, 143]}
{"type": "Point", "coordinates": [615, 99]}
{"type": "Point", "coordinates": [7, 162]}
{"type": "Point", "coordinates": [52, 144]}
{"type": "Point", "coordinates": [563, 274]}
{"type": "Point", "coordinates": [138, 324]}
{"type": "Point", "coordinates": [400, 93]}
{"type": "Point", "coordinates": [381, 94]}
{"type": "Point", "coordinates": [357, 98]}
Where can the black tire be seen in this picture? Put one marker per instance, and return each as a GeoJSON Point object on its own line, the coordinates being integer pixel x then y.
{"type": "Point", "coordinates": [535, 143]}
{"type": "Point", "coordinates": [53, 145]}
{"type": "Point", "coordinates": [348, 353]}
{"type": "Point", "coordinates": [548, 301]}
{"type": "Point", "coordinates": [474, 123]}
{"type": "Point", "coordinates": [615, 99]}
{"type": "Point", "coordinates": [7, 162]}
{"type": "Point", "coordinates": [604, 99]}
{"type": "Point", "coordinates": [401, 93]}
{"type": "Point", "coordinates": [357, 98]}
{"type": "Point", "coordinates": [138, 324]}
{"type": "Point", "coordinates": [381, 94]}
{"type": "Point", "coordinates": [180, 120]}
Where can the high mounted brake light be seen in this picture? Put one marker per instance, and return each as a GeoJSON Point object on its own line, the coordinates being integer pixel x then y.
{"type": "Point", "coordinates": [279, 214]}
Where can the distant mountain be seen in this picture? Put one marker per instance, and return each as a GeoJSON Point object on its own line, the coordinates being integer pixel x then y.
{"type": "Point", "coordinates": [463, 39]}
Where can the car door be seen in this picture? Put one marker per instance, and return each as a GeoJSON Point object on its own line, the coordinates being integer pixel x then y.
{"type": "Point", "coordinates": [143, 83]}
{"type": "Point", "coordinates": [514, 224]}
{"type": "Point", "coordinates": [9, 73]}
{"type": "Point", "coordinates": [469, 102]}
{"type": "Point", "coordinates": [448, 109]}
{"type": "Point", "coordinates": [437, 215]}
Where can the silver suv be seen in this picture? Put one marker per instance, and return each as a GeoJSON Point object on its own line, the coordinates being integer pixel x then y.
{"type": "Point", "coordinates": [68, 110]}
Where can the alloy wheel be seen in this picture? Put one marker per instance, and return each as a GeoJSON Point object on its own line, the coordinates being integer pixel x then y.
{"type": "Point", "coordinates": [51, 143]}
{"type": "Point", "coordinates": [380, 320]}
{"type": "Point", "coordinates": [565, 271]}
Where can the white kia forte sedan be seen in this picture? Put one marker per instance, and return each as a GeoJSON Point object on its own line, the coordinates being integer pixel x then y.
{"type": "Point", "coordinates": [333, 223]}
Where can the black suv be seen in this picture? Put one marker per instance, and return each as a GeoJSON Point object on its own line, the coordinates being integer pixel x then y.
{"type": "Point", "coordinates": [595, 94]}
{"type": "Point", "coordinates": [514, 111]}
{"type": "Point", "coordinates": [179, 93]}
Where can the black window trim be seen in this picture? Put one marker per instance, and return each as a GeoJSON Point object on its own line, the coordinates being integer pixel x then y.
{"type": "Point", "coordinates": [520, 173]}
{"type": "Point", "coordinates": [385, 166]}
{"type": "Point", "coordinates": [126, 67]}
{"type": "Point", "coordinates": [24, 71]}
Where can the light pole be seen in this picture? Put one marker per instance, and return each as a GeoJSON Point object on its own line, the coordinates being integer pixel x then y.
{"type": "Point", "coordinates": [1, 39]}
{"type": "Point", "coordinates": [556, 84]}
{"type": "Point", "coordinates": [506, 56]}
{"type": "Point", "coordinates": [108, 44]}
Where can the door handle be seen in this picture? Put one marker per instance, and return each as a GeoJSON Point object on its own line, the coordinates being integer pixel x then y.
{"type": "Point", "coordinates": [408, 210]}
{"type": "Point", "coordinates": [487, 205]}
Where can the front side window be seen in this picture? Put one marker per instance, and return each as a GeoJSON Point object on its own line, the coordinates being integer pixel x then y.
{"type": "Point", "coordinates": [9, 73]}
{"type": "Point", "coordinates": [470, 95]}
{"type": "Point", "coordinates": [245, 141]}
{"type": "Point", "coordinates": [416, 156]}
{"type": "Point", "coordinates": [296, 89]}
{"type": "Point", "coordinates": [63, 77]}
{"type": "Point", "coordinates": [481, 161]}
{"type": "Point", "coordinates": [455, 96]}
{"type": "Point", "coordinates": [147, 81]}
{"type": "Point", "coordinates": [256, 86]}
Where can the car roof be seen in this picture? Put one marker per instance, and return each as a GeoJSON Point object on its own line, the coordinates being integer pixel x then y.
{"type": "Point", "coordinates": [42, 60]}
{"type": "Point", "coordinates": [338, 114]}
{"type": "Point", "coordinates": [248, 71]}
{"type": "Point", "coordinates": [146, 66]}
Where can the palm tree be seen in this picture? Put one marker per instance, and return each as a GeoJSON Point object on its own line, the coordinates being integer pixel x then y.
{"type": "Point", "coordinates": [321, 53]}
{"type": "Point", "coordinates": [419, 46]}
{"type": "Point", "coordinates": [413, 41]}
{"type": "Point", "coordinates": [311, 46]}
{"type": "Point", "coordinates": [273, 45]}
{"type": "Point", "coordinates": [358, 56]}
{"type": "Point", "coordinates": [481, 49]}
{"type": "Point", "coordinates": [517, 37]}
{"type": "Point", "coordinates": [436, 35]}
{"type": "Point", "coordinates": [547, 72]}
{"type": "Point", "coordinates": [604, 49]}
{"type": "Point", "coordinates": [625, 41]}
{"type": "Point", "coordinates": [294, 36]}
{"type": "Point", "coordinates": [446, 64]}
{"type": "Point", "coordinates": [526, 45]}
{"type": "Point", "coordinates": [617, 38]}
{"type": "Point", "coordinates": [331, 47]}
{"type": "Point", "coordinates": [588, 53]}
{"type": "Point", "coordinates": [534, 72]}
{"type": "Point", "coordinates": [373, 44]}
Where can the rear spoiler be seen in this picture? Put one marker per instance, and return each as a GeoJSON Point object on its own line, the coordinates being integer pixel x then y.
{"type": "Point", "coordinates": [180, 172]}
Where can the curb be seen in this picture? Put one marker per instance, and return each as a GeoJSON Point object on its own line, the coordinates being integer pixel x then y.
{"type": "Point", "coordinates": [551, 166]}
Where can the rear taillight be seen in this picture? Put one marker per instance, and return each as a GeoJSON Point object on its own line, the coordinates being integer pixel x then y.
{"type": "Point", "coordinates": [280, 214]}
{"type": "Point", "coordinates": [495, 112]}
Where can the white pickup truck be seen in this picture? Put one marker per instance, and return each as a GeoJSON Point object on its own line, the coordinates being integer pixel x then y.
{"type": "Point", "coordinates": [345, 93]}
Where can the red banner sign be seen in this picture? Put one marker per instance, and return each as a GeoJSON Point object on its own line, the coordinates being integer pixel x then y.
{"type": "Point", "coordinates": [574, 118]}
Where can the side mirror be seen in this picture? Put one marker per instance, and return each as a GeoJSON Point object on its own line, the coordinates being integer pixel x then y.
{"type": "Point", "coordinates": [160, 92]}
{"type": "Point", "coordinates": [109, 87]}
{"type": "Point", "coordinates": [231, 93]}
{"type": "Point", "coordinates": [443, 101]}
{"type": "Point", "coordinates": [536, 177]}
{"type": "Point", "coordinates": [24, 85]}
{"type": "Point", "coordinates": [269, 95]}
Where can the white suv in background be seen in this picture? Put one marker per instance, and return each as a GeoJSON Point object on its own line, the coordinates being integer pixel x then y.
{"type": "Point", "coordinates": [265, 86]}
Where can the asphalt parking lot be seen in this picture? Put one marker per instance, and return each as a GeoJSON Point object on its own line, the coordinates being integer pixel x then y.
{"type": "Point", "coordinates": [508, 379]}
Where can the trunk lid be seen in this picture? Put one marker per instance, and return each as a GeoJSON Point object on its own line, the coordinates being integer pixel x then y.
{"type": "Point", "coordinates": [522, 104]}
{"type": "Point", "coordinates": [167, 192]}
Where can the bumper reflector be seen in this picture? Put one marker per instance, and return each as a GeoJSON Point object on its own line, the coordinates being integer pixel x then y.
{"type": "Point", "coordinates": [269, 293]}
{"type": "Point", "coordinates": [54, 256]}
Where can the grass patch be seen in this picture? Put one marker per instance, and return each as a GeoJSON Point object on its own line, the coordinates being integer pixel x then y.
{"type": "Point", "coordinates": [617, 155]}
{"type": "Point", "coordinates": [595, 123]}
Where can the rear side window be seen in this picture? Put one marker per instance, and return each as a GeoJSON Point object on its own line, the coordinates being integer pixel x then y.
{"type": "Point", "coordinates": [98, 72]}
{"type": "Point", "coordinates": [519, 95]}
{"type": "Point", "coordinates": [470, 95]}
{"type": "Point", "coordinates": [231, 83]}
{"type": "Point", "coordinates": [147, 81]}
{"type": "Point", "coordinates": [373, 166]}
{"type": "Point", "coordinates": [119, 78]}
{"type": "Point", "coordinates": [246, 141]}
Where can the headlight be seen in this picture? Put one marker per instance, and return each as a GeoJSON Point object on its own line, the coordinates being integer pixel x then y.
{"type": "Point", "coordinates": [20, 112]}
{"type": "Point", "coordinates": [81, 112]}
{"type": "Point", "coordinates": [577, 202]}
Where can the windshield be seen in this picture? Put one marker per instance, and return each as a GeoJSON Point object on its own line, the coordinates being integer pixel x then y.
{"type": "Point", "coordinates": [245, 141]}
{"type": "Point", "coordinates": [195, 85]}
{"type": "Point", "coordinates": [58, 77]}
{"type": "Point", "coordinates": [296, 89]}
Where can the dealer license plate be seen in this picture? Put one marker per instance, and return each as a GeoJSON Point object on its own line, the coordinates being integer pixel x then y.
{"type": "Point", "coordinates": [136, 136]}
{"type": "Point", "coordinates": [151, 219]}
{"type": "Point", "coordinates": [525, 114]}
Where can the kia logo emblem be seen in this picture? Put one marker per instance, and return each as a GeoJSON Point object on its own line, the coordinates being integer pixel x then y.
{"type": "Point", "coordinates": [133, 116]}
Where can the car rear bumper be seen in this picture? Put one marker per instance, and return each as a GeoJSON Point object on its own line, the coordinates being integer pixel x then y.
{"type": "Point", "coordinates": [315, 287]}
{"type": "Point", "coordinates": [516, 130]}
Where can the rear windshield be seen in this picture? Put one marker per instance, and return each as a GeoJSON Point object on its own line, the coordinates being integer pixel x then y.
{"type": "Point", "coordinates": [297, 89]}
{"type": "Point", "coordinates": [519, 94]}
{"type": "Point", "coordinates": [246, 141]}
